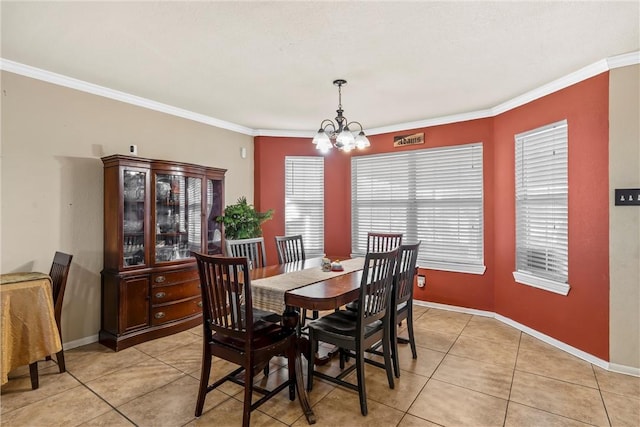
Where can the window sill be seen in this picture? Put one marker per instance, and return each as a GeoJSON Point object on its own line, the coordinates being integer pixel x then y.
{"type": "Point", "coordinates": [455, 268]}
{"type": "Point", "coordinates": [540, 283]}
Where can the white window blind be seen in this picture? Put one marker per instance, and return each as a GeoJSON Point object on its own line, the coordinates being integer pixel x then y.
{"type": "Point", "coordinates": [432, 195]}
{"type": "Point", "coordinates": [304, 201]}
{"type": "Point", "coordinates": [541, 208]}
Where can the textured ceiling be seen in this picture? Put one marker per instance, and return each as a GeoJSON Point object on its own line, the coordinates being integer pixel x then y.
{"type": "Point", "coordinates": [270, 65]}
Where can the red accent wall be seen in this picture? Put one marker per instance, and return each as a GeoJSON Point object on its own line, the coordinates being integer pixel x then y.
{"type": "Point", "coordinates": [269, 159]}
{"type": "Point", "coordinates": [465, 290]}
{"type": "Point", "coordinates": [580, 319]}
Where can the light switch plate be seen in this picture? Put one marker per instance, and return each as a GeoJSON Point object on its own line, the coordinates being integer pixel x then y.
{"type": "Point", "coordinates": [627, 197]}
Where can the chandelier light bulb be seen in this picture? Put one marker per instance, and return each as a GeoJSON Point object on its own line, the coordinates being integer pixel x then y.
{"type": "Point", "coordinates": [321, 138]}
{"type": "Point", "coordinates": [362, 141]}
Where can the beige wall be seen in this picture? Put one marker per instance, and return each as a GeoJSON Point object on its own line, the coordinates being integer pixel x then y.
{"type": "Point", "coordinates": [624, 221]}
{"type": "Point", "coordinates": [51, 178]}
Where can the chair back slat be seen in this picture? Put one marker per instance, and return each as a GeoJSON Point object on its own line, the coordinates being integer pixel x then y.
{"type": "Point", "coordinates": [59, 274]}
{"type": "Point", "coordinates": [226, 296]}
{"type": "Point", "coordinates": [375, 288]}
{"type": "Point", "coordinates": [383, 242]}
{"type": "Point", "coordinates": [405, 271]}
{"type": "Point", "coordinates": [290, 248]}
{"type": "Point", "coordinates": [253, 249]}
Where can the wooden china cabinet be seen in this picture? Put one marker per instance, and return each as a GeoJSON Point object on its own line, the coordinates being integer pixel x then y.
{"type": "Point", "coordinates": [155, 213]}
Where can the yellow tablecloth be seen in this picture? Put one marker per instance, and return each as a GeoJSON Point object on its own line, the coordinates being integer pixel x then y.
{"type": "Point", "coordinates": [27, 321]}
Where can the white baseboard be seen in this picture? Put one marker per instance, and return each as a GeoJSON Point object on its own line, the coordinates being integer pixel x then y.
{"type": "Point", "coordinates": [613, 367]}
{"type": "Point", "coordinates": [623, 369]}
{"type": "Point", "coordinates": [80, 342]}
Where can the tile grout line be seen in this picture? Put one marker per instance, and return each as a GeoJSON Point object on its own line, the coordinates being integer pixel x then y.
{"type": "Point", "coordinates": [101, 398]}
{"type": "Point", "coordinates": [436, 368]}
{"type": "Point", "coordinates": [513, 376]}
{"type": "Point", "coordinates": [606, 411]}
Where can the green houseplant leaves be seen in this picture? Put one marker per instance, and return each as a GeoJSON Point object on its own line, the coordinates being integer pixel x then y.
{"type": "Point", "coordinates": [242, 221]}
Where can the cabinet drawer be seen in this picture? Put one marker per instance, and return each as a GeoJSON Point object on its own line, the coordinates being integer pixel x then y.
{"type": "Point", "coordinates": [167, 313]}
{"type": "Point", "coordinates": [173, 277]}
{"type": "Point", "coordinates": [164, 294]}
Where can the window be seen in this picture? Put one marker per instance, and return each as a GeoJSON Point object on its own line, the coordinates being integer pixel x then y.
{"type": "Point", "coordinates": [432, 195]}
{"type": "Point", "coordinates": [541, 208]}
{"type": "Point", "coordinates": [304, 201]}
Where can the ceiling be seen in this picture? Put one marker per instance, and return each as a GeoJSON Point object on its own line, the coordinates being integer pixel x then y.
{"type": "Point", "coordinates": [270, 65]}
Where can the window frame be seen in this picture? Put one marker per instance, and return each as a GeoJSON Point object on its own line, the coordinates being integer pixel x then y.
{"type": "Point", "coordinates": [531, 249]}
{"type": "Point", "coordinates": [312, 199]}
{"type": "Point", "coordinates": [423, 198]}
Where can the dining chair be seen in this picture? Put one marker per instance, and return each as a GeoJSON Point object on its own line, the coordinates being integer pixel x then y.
{"type": "Point", "coordinates": [356, 334]}
{"type": "Point", "coordinates": [232, 332]}
{"type": "Point", "coordinates": [290, 248]}
{"type": "Point", "coordinates": [59, 273]}
{"type": "Point", "coordinates": [253, 249]}
{"type": "Point", "coordinates": [383, 242]}
{"type": "Point", "coordinates": [378, 242]}
{"type": "Point", "coordinates": [402, 301]}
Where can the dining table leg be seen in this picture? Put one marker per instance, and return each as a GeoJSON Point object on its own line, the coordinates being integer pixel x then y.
{"type": "Point", "coordinates": [288, 317]}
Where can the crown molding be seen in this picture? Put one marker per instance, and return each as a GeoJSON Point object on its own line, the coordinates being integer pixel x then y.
{"type": "Point", "coordinates": [285, 133]}
{"type": "Point", "coordinates": [623, 60]}
{"type": "Point", "coordinates": [551, 87]}
{"type": "Point", "coordinates": [70, 82]}
{"type": "Point", "coordinates": [454, 118]}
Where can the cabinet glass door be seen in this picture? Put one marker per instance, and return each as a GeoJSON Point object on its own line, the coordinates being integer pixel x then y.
{"type": "Point", "coordinates": [178, 217]}
{"type": "Point", "coordinates": [214, 209]}
{"type": "Point", "coordinates": [133, 221]}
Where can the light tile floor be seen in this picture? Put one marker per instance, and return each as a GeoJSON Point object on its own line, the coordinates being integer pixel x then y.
{"type": "Point", "coordinates": [470, 371]}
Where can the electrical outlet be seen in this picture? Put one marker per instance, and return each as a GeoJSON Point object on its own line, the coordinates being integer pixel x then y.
{"type": "Point", "coordinates": [422, 281]}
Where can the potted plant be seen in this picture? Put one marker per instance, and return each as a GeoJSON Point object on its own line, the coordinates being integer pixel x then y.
{"type": "Point", "coordinates": [242, 221]}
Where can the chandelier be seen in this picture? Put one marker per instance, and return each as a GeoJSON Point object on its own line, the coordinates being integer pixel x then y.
{"type": "Point", "coordinates": [339, 132]}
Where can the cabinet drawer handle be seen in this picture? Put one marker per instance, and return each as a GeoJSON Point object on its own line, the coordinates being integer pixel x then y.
{"type": "Point", "coordinates": [160, 295]}
{"type": "Point", "coordinates": [200, 304]}
{"type": "Point", "coordinates": [160, 279]}
{"type": "Point", "coordinates": [159, 315]}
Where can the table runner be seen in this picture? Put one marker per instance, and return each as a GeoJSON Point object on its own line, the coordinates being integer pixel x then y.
{"type": "Point", "coordinates": [268, 293]}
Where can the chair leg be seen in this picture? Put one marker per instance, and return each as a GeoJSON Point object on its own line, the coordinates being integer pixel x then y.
{"type": "Point", "coordinates": [386, 351]}
{"type": "Point", "coordinates": [248, 392]}
{"type": "Point", "coordinates": [204, 379]}
{"type": "Point", "coordinates": [60, 358]}
{"type": "Point", "coordinates": [362, 392]}
{"type": "Point", "coordinates": [394, 350]}
{"type": "Point", "coordinates": [33, 373]}
{"type": "Point", "coordinates": [412, 339]}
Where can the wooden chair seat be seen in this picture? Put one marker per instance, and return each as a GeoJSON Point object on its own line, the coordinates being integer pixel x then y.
{"type": "Point", "coordinates": [343, 324]}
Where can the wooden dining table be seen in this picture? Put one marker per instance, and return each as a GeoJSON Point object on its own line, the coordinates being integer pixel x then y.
{"type": "Point", "coordinates": [303, 284]}
{"type": "Point", "coordinates": [27, 322]}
